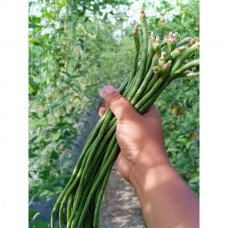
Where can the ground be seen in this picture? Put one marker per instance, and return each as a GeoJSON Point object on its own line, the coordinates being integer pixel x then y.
{"type": "Point", "coordinates": [120, 207]}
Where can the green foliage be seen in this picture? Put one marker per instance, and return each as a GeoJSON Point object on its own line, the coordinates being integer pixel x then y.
{"type": "Point", "coordinates": [69, 60]}
{"type": "Point", "coordinates": [179, 108]}
{"type": "Point", "coordinates": [33, 215]}
{"type": "Point", "coordinates": [72, 54]}
{"type": "Point", "coordinates": [180, 17]}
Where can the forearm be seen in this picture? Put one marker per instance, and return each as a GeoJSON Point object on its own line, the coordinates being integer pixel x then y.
{"type": "Point", "coordinates": [165, 199]}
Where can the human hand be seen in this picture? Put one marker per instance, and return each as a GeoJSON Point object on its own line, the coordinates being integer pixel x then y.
{"type": "Point", "coordinates": [140, 137]}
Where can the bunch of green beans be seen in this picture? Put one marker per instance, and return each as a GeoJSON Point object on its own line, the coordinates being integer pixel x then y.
{"type": "Point", "coordinates": [157, 62]}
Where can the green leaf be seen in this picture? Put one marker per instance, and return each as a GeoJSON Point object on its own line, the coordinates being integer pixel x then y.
{"type": "Point", "coordinates": [36, 124]}
{"type": "Point", "coordinates": [32, 155]}
{"type": "Point", "coordinates": [194, 180]}
{"type": "Point", "coordinates": [34, 42]}
{"type": "Point", "coordinates": [47, 186]}
{"type": "Point", "coordinates": [34, 115]}
{"type": "Point", "coordinates": [63, 2]}
{"type": "Point", "coordinates": [46, 194]}
{"type": "Point", "coordinates": [34, 26]}
{"type": "Point", "coordinates": [33, 214]}
{"type": "Point", "coordinates": [44, 174]}
{"type": "Point", "coordinates": [62, 124]}
{"type": "Point", "coordinates": [173, 149]}
{"type": "Point", "coordinates": [105, 17]}
{"type": "Point", "coordinates": [54, 155]}
{"type": "Point", "coordinates": [34, 19]}
{"type": "Point", "coordinates": [182, 140]}
{"type": "Point", "coordinates": [58, 189]}
{"type": "Point", "coordinates": [33, 85]}
{"type": "Point", "coordinates": [56, 136]}
{"type": "Point", "coordinates": [40, 224]}
{"type": "Point", "coordinates": [48, 15]}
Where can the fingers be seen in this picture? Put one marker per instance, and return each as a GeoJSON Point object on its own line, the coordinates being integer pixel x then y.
{"type": "Point", "coordinates": [123, 166]}
{"type": "Point", "coordinates": [152, 109]}
{"type": "Point", "coordinates": [101, 111]}
{"type": "Point", "coordinates": [120, 106]}
{"type": "Point", "coordinates": [152, 112]}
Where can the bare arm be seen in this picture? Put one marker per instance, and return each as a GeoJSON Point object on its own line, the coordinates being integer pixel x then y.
{"type": "Point", "coordinates": [165, 199]}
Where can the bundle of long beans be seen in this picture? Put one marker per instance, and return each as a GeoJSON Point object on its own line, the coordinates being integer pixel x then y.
{"type": "Point", "coordinates": [156, 64]}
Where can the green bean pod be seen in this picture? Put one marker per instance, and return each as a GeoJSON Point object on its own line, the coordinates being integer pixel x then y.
{"type": "Point", "coordinates": [143, 57]}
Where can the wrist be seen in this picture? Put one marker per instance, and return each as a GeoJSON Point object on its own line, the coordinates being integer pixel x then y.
{"type": "Point", "coordinates": [161, 191]}
{"type": "Point", "coordinates": [153, 164]}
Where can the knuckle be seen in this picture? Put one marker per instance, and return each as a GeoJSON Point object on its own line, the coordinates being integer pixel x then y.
{"type": "Point", "coordinates": [118, 99]}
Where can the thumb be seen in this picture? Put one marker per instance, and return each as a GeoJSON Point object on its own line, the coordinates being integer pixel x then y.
{"type": "Point", "coordinates": [120, 106]}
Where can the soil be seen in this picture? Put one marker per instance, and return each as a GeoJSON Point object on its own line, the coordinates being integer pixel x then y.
{"type": "Point", "coordinates": [120, 207]}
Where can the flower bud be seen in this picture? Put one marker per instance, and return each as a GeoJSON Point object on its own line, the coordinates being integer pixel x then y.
{"type": "Point", "coordinates": [136, 30]}
{"type": "Point", "coordinates": [167, 65]}
{"type": "Point", "coordinates": [192, 74]}
{"type": "Point", "coordinates": [142, 15]}
{"type": "Point", "coordinates": [156, 69]}
{"type": "Point", "coordinates": [162, 21]}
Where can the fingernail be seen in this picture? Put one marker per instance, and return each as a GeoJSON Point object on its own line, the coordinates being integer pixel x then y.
{"type": "Point", "coordinates": [108, 90]}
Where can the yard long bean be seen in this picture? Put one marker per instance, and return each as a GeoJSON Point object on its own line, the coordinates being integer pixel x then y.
{"type": "Point", "coordinates": [155, 66]}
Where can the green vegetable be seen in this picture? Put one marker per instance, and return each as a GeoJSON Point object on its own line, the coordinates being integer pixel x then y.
{"type": "Point", "coordinates": [157, 65]}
